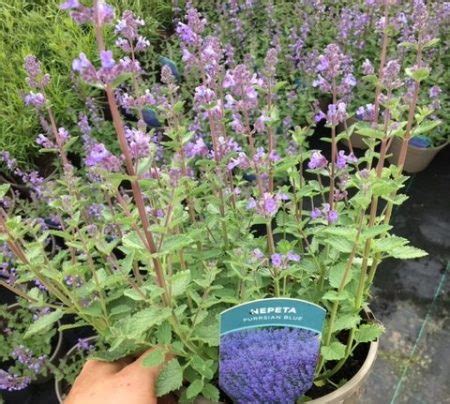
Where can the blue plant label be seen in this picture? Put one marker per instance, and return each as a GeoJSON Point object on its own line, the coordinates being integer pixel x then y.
{"type": "Point", "coordinates": [269, 350]}
{"type": "Point", "coordinates": [278, 312]}
{"type": "Point", "coordinates": [420, 141]}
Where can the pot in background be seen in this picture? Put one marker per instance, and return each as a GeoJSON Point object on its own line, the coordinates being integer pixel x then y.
{"type": "Point", "coordinates": [59, 389]}
{"type": "Point", "coordinates": [417, 158]}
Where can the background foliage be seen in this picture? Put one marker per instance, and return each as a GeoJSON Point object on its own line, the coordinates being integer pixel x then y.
{"type": "Point", "coordinates": [38, 27]}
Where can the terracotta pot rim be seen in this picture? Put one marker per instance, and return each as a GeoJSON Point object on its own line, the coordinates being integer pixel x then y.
{"type": "Point", "coordinates": [342, 392]}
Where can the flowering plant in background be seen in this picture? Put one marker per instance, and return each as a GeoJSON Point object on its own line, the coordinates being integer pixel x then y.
{"type": "Point", "coordinates": [209, 197]}
{"type": "Point", "coordinates": [69, 367]}
{"type": "Point", "coordinates": [23, 358]}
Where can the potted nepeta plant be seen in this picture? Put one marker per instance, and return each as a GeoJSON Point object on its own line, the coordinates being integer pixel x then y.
{"type": "Point", "coordinates": [429, 136]}
{"type": "Point", "coordinates": [158, 240]}
{"type": "Point", "coordinates": [26, 357]}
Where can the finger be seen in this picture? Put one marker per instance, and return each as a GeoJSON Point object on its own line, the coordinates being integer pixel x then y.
{"type": "Point", "coordinates": [138, 365]}
{"type": "Point", "coordinates": [102, 368]}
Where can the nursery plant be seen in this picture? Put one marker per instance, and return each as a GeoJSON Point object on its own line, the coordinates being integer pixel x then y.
{"type": "Point", "coordinates": [207, 205]}
{"type": "Point", "coordinates": [22, 359]}
{"type": "Point", "coordinates": [40, 28]}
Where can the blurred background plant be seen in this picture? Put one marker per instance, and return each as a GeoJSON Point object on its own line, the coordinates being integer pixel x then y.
{"type": "Point", "coordinates": [38, 27]}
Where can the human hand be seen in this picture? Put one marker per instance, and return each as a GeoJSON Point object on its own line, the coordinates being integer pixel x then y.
{"type": "Point", "coordinates": [123, 381]}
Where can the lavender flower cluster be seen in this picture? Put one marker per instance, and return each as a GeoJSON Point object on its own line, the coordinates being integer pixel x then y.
{"type": "Point", "coordinates": [270, 365]}
{"type": "Point", "coordinates": [10, 380]}
{"type": "Point", "coordinates": [13, 382]}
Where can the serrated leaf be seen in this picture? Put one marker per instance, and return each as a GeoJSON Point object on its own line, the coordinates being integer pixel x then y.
{"type": "Point", "coordinates": [407, 252]}
{"type": "Point", "coordinates": [332, 352]}
{"type": "Point", "coordinates": [175, 243]}
{"type": "Point", "coordinates": [333, 295]}
{"type": "Point", "coordinates": [388, 243]}
{"type": "Point", "coordinates": [426, 127]}
{"type": "Point", "coordinates": [374, 231]}
{"type": "Point", "coordinates": [133, 241]}
{"type": "Point", "coordinates": [164, 333]}
{"type": "Point", "coordinates": [211, 392]}
{"type": "Point", "coordinates": [340, 244]}
{"type": "Point", "coordinates": [170, 378]}
{"type": "Point", "coordinates": [133, 294]}
{"type": "Point", "coordinates": [370, 132]}
{"type": "Point", "coordinates": [368, 332]}
{"type": "Point", "coordinates": [194, 389]}
{"type": "Point", "coordinates": [431, 43]}
{"type": "Point", "coordinates": [347, 232]}
{"type": "Point", "coordinates": [203, 367]}
{"type": "Point", "coordinates": [179, 282]}
{"type": "Point", "coordinates": [337, 274]}
{"type": "Point", "coordinates": [418, 74]}
{"type": "Point", "coordinates": [154, 358]}
{"type": "Point", "coordinates": [44, 322]}
{"type": "Point", "coordinates": [135, 326]}
{"type": "Point", "coordinates": [346, 322]}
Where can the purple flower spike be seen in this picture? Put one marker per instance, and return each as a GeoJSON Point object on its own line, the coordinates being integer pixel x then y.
{"type": "Point", "coordinates": [291, 256]}
{"type": "Point", "coordinates": [69, 5]}
{"type": "Point", "coordinates": [277, 260]}
{"type": "Point", "coordinates": [12, 382]}
{"type": "Point", "coordinates": [271, 366]}
{"type": "Point", "coordinates": [332, 216]}
{"type": "Point", "coordinates": [316, 213]}
{"type": "Point", "coordinates": [317, 161]}
{"type": "Point", "coordinates": [107, 60]}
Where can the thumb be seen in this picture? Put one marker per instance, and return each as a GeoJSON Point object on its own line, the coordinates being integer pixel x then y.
{"type": "Point", "coordinates": [139, 366]}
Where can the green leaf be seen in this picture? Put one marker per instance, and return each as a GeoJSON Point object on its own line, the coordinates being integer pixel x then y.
{"type": "Point", "coordinates": [374, 231]}
{"type": "Point", "coordinates": [154, 358]}
{"type": "Point", "coordinates": [135, 326]}
{"type": "Point", "coordinates": [170, 378]}
{"type": "Point", "coordinates": [340, 244]}
{"type": "Point", "coordinates": [333, 295]}
{"type": "Point", "coordinates": [407, 252]}
{"type": "Point", "coordinates": [368, 332]}
{"type": "Point", "coordinates": [179, 282]}
{"type": "Point", "coordinates": [418, 74]}
{"type": "Point", "coordinates": [337, 274]}
{"type": "Point", "coordinates": [133, 294]}
{"type": "Point", "coordinates": [370, 132]}
{"type": "Point", "coordinates": [396, 199]}
{"type": "Point", "coordinates": [346, 322]}
{"type": "Point", "coordinates": [333, 352]}
{"type": "Point", "coordinates": [204, 367]}
{"type": "Point", "coordinates": [211, 392]}
{"type": "Point", "coordinates": [133, 241]}
{"type": "Point", "coordinates": [4, 188]}
{"type": "Point", "coordinates": [194, 389]}
{"type": "Point", "coordinates": [347, 232]}
{"type": "Point", "coordinates": [389, 243]}
{"type": "Point", "coordinates": [431, 43]}
{"type": "Point", "coordinates": [164, 333]}
{"type": "Point", "coordinates": [175, 243]}
{"type": "Point", "coordinates": [426, 127]}
{"type": "Point", "coordinates": [43, 323]}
